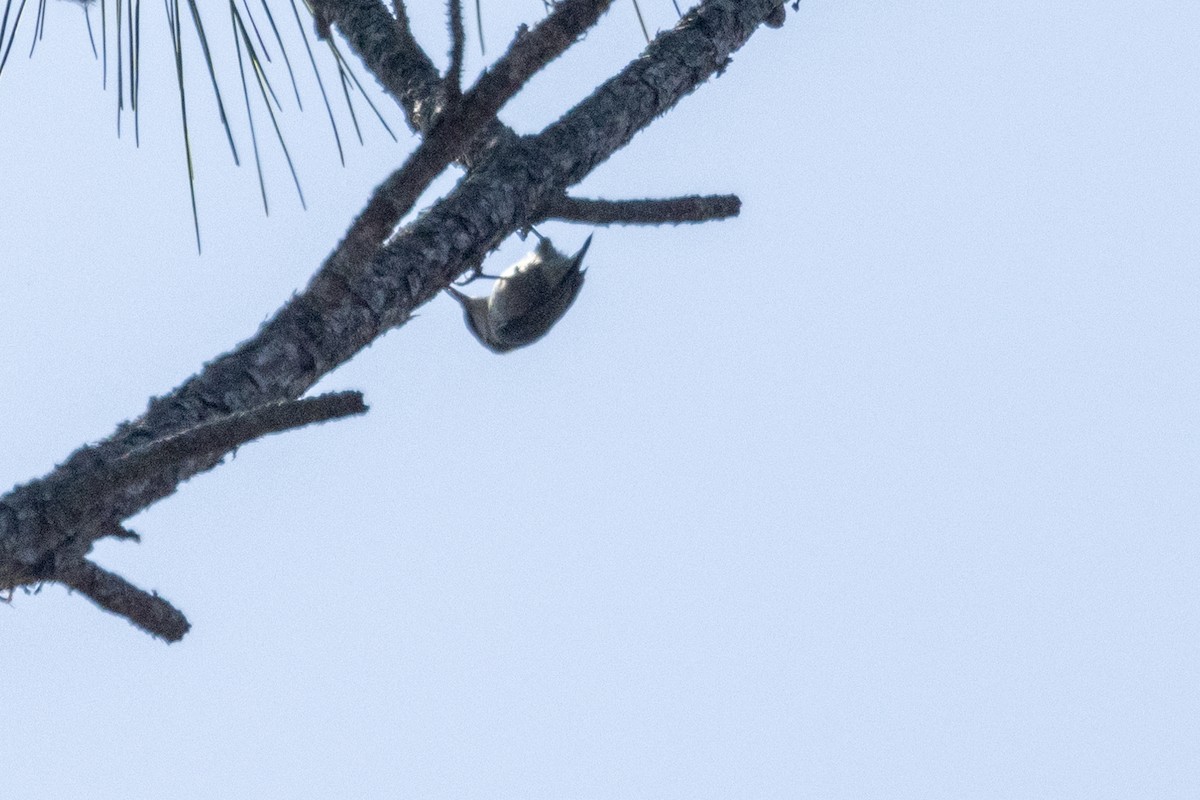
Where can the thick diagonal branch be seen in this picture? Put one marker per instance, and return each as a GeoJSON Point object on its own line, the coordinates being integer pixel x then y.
{"type": "Point", "coordinates": [341, 311]}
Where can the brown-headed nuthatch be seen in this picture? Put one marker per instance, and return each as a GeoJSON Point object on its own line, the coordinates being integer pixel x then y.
{"type": "Point", "coordinates": [526, 300]}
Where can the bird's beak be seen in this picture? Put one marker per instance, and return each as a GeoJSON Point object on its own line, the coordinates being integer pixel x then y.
{"type": "Point", "coordinates": [583, 250]}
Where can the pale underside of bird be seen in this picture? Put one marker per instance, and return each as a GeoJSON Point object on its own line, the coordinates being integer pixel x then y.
{"type": "Point", "coordinates": [527, 299]}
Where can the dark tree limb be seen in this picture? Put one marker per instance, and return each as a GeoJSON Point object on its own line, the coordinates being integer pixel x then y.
{"type": "Point", "coordinates": [386, 45]}
{"type": "Point", "coordinates": [116, 530]}
{"type": "Point", "coordinates": [93, 492]}
{"type": "Point", "coordinates": [460, 123]}
{"type": "Point", "coordinates": [113, 593]}
{"type": "Point", "coordinates": [457, 47]}
{"type": "Point", "coordinates": [342, 310]}
{"type": "Point", "coordinates": [670, 211]}
{"type": "Point", "coordinates": [84, 500]}
{"type": "Point", "coordinates": [212, 439]}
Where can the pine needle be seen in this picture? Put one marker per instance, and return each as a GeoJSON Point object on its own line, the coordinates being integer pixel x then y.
{"type": "Point", "coordinates": [87, 17]}
{"type": "Point", "coordinates": [104, 44]}
{"type": "Point", "coordinates": [249, 112]}
{"type": "Point", "coordinates": [13, 36]}
{"type": "Point", "coordinates": [479, 26]}
{"type": "Point", "coordinates": [343, 64]}
{"type": "Point", "coordinates": [121, 72]}
{"type": "Point", "coordinates": [263, 88]}
{"type": "Point", "coordinates": [283, 50]}
{"type": "Point", "coordinates": [39, 26]}
{"type": "Point", "coordinates": [212, 76]}
{"type": "Point", "coordinates": [642, 22]}
{"type": "Point", "coordinates": [177, 42]}
{"type": "Point", "coordinates": [135, 49]}
{"type": "Point", "coordinates": [349, 102]}
{"type": "Point", "coordinates": [320, 83]}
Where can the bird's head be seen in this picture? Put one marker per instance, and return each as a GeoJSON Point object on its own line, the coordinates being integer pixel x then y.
{"type": "Point", "coordinates": [475, 312]}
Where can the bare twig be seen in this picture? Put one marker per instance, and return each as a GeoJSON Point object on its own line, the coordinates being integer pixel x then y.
{"type": "Point", "coordinates": [113, 593]}
{"type": "Point", "coordinates": [93, 492]}
{"type": "Point", "coordinates": [116, 530]}
{"type": "Point", "coordinates": [216, 438]}
{"type": "Point", "coordinates": [457, 46]}
{"type": "Point", "coordinates": [671, 211]}
{"type": "Point", "coordinates": [225, 434]}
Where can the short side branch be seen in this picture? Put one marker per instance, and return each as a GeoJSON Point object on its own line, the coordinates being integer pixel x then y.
{"type": "Point", "coordinates": [457, 46]}
{"type": "Point", "coordinates": [225, 434]}
{"type": "Point", "coordinates": [669, 211]}
{"type": "Point", "coordinates": [97, 489]}
{"type": "Point", "coordinates": [145, 610]}
{"type": "Point", "coordinates": [116, 530]}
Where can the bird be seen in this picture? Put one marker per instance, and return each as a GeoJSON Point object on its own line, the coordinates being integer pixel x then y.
{"type": "Point", "coordinates": [527, 298]}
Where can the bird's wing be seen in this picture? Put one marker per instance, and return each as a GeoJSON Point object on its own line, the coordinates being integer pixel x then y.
{"type": "Point", "coordinates": [523, 329]}
{"type": "Point", "coordinates": [519, 291]}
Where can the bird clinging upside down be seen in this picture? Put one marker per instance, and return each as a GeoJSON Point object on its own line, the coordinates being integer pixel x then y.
{"type": "Point", "coordinates": [527, 298]}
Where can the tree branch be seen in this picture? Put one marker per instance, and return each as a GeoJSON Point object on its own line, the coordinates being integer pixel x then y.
{"type": "Point", "coordinates": [460, 123]}
{"type": "Point", "coordinates": [110, 591]}
{"type": "Point", "coordinates": [673, 211]}
{"type": "Point", "coordinates": [344, 309]}
{"type": "Point", "coordinates": [216, 438]}
{"type": "Point", "coordinates": [386, 45]}
{"type": "Point", "coordinates": [457, 46]}
{"type": "Point", "coordinates": [85, 498]}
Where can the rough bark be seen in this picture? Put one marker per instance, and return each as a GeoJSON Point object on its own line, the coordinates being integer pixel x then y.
{"type": "Point", "coordinates": [377, 276]}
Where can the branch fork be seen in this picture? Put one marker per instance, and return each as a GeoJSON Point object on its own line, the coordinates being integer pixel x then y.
{"type": "Point", "coordinates": [379, 273]}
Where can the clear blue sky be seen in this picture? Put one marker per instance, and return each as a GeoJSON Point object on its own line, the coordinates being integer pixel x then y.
{"type": "Point", "coordinates": [886, 489]}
